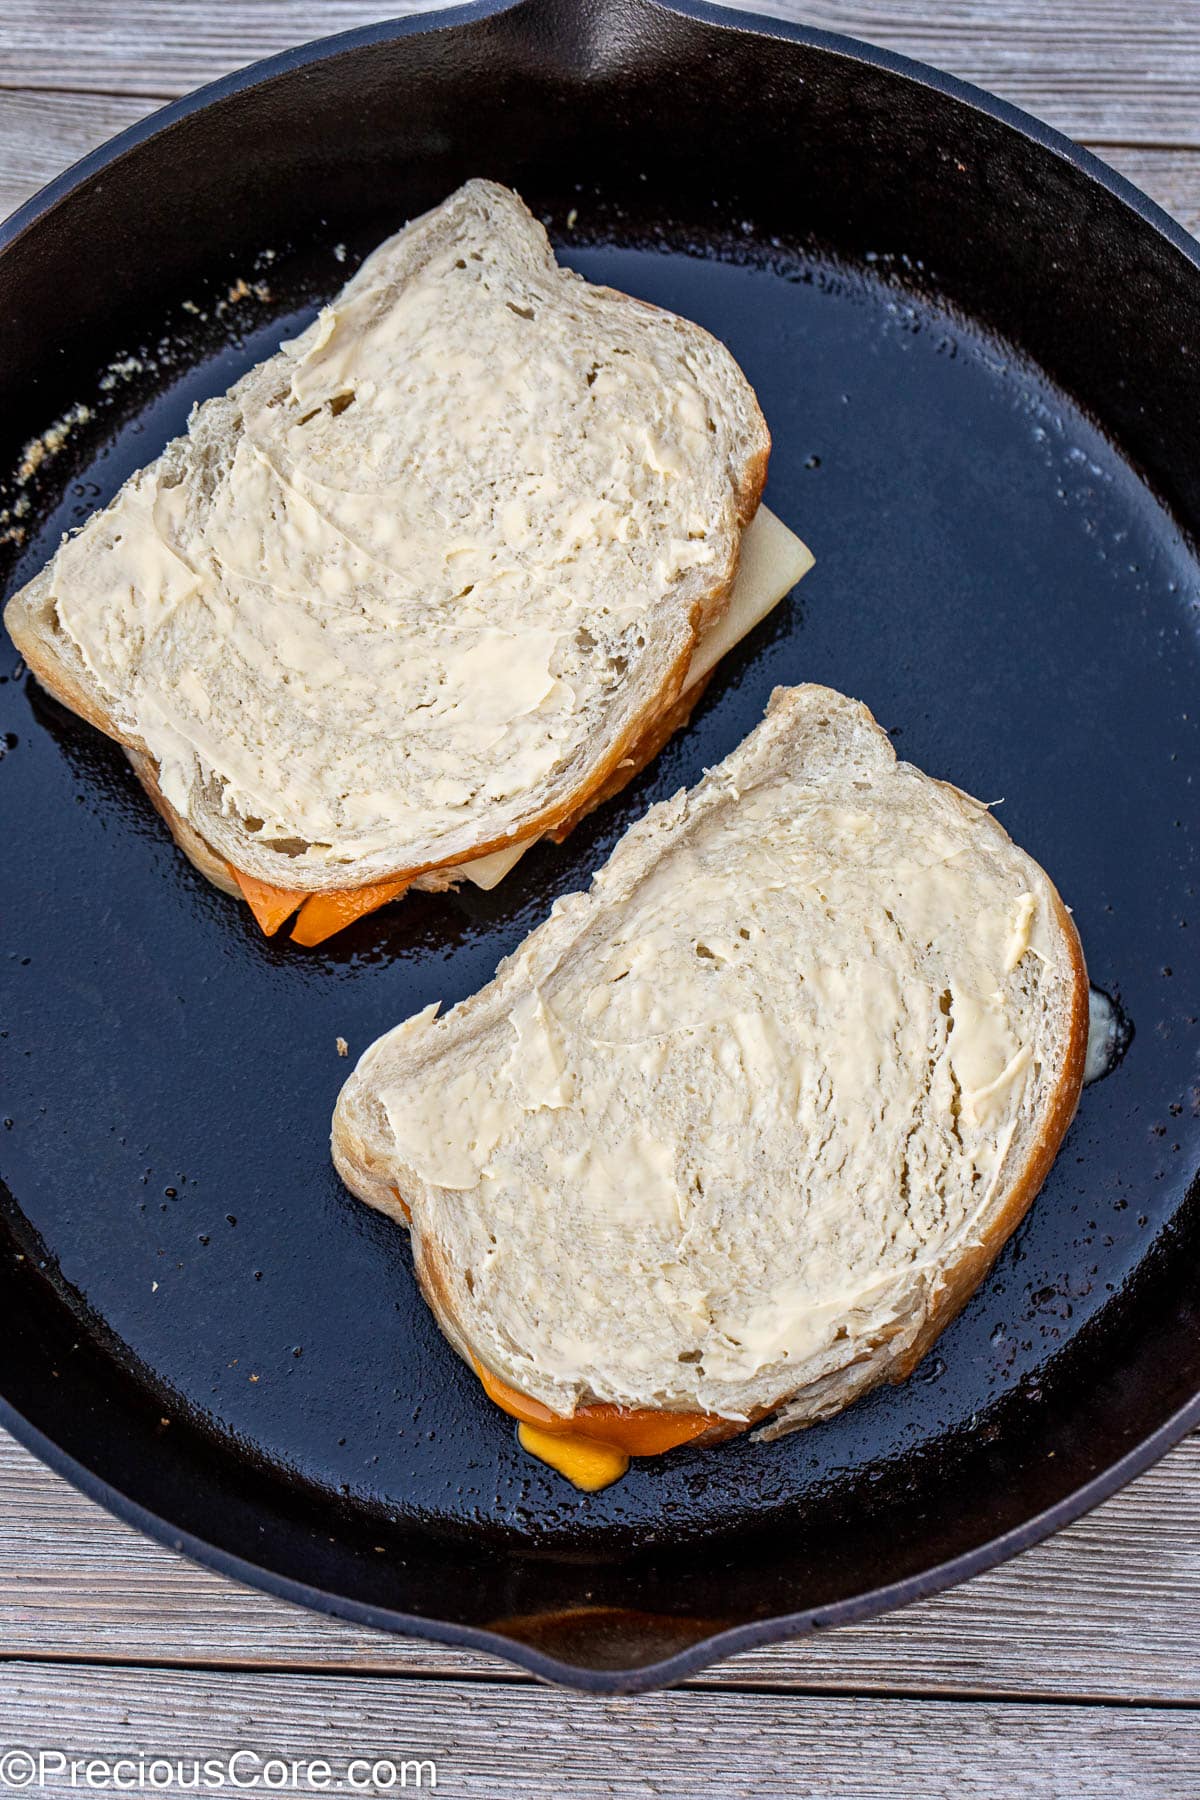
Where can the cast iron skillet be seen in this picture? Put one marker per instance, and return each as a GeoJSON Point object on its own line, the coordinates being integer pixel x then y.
{"type": "Point", "coordinates": [979, 353]}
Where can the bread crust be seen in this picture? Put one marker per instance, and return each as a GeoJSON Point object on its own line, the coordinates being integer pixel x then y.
{"type": "Point", "coordinates": [216, 870]}
{"type": "Point", "coordinates": [974, 1266]}
{"type": "Point", "coordinates": [428, 1265]}
{"type": "Point", "coordinates": [894, 1351]}
{"type": "Point", "coordinates": [213, 867]}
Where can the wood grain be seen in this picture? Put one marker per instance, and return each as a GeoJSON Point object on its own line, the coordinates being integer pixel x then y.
{"type": "Point", "coordinates": [500, 1741]}
{"type": "Point", "coordinates": [163, 47]}
{"type": "Point", "coordinates": [1172, 177]}
{"type": "Point", "coordinates": [40, 134]}
{"type": "Point", "coordinates": [1104, 70]}
{"type": "Point", "coordinates": [1123, 71]}
{"type": "Point", "coordinates": [1107, 1609]}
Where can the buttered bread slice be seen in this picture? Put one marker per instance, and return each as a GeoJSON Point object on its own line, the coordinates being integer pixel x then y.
{"type": "Point", "coordinates": [734, 1134]}
{"type": "Point", "coordinates": [421, 583]}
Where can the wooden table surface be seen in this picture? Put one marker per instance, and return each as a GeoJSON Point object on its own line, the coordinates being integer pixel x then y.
{"type": "Point", "coordinates": [1073, 1671]}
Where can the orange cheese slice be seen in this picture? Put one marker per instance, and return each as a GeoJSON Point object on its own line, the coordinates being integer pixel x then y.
{"type": "Point", "coordinates": [586, 1462]}
{"type": "Point", "coordinates": [320, 914]}
{"type": "Point", "coordinates": [271, 906]}
{"type": "Point", "coordinates": [323, 914]}
{"type": "Point", "coordinates": [635, 1432]}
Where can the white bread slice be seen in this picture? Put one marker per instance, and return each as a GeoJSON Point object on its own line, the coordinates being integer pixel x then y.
{"type": "Point", "coordinates": [741, 1128]}
{"type": "Point", "coordinates": [772, 560]}
{"type": "Point", "coordinates": [416, 585]}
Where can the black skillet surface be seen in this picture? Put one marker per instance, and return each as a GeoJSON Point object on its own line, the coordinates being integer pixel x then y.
{"type": "Point", "coordinates": [979, 355]}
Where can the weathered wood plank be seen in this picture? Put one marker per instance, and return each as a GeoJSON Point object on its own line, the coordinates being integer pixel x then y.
{"type": "Point", "coordinates": [1103, 69]}
{"type": "Point", "coordinates": [163, 47]}
{"type": "Point", "coordinates": [1172, 177]}
{"type": "Point", "coordinates": [1098, 69]}
{"type": "Point", "coordinates": [499, 1740]}
{"type": "Point", "coordinates": [1107, 1609]}
{"type": "Point", "coordinates": [41, 133]}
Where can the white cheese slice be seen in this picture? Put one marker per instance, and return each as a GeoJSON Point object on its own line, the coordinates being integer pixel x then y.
{"type": "Point", "coordinates": [773, 559]}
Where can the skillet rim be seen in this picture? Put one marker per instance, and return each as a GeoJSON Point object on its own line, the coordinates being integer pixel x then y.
{"type": "Point", "coordinates": [727, 1642]}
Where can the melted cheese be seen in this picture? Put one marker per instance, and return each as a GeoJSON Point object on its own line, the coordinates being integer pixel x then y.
{"type": "Point", "coordinates": [587, 1464]}
{"type": "Point", "coordinates": [592, 1446]}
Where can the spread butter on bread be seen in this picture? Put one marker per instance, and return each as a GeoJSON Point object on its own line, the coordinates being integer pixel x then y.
{"type": "Point", "coordinates": [423, 584]}
{"type": "Point", "coordinates": [734, 1134]}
